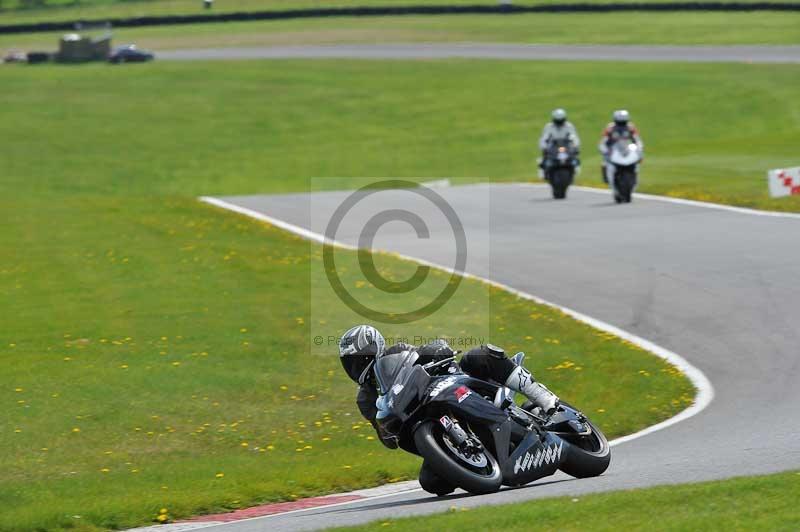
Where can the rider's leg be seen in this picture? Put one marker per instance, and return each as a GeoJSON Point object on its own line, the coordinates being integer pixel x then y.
{"type": "Point", "coordinates": [521, 380]}
{"type": "Point", "coordinates": [490, 362]}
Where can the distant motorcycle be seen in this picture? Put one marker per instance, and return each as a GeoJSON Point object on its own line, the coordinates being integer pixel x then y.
{"type": "Point", "coordinates": [622, 169]}
{"type": "Point", "coordinates": [473, 435]}
{"type": "Point", "coordinates": [560, 165]}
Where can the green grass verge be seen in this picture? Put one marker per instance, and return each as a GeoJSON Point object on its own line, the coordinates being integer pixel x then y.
{"type": "Point", "coordinates": [158, 358]}
{"type": "Point", "coordinates": [750, 503]}
{"type": "Point", "coordinates": [640, 28]}
{"type": "Point", "coordinates": [13, 11]}
{"type": "Point", "coordinates": [245, 127]}
{"type": "Point", "coordinates": [156, 350]}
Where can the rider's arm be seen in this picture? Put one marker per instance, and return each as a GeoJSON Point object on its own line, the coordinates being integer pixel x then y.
{"type": "Point", "coordinates": [367, 395]}
{"type": "Point", "coordinates": [636, 138]}
{"type": "Point", "coordinates": [545, 137]}
{"type": "Point", "coordinates": [434, 351]}
{"type": "Point", "coordinates": [603, 146]}
{"type": "Point", "coordinates": [576, 140]}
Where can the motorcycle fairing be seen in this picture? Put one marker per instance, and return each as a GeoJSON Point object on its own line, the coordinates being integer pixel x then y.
{"type": "Point", "coordinates": [402, 400]}
{"type": "Point", "coordinates": [473, 406]}
{"type": "Point", "coordinates": [568, 421]}
{"type": "Point", "coordinates": [537, 456]}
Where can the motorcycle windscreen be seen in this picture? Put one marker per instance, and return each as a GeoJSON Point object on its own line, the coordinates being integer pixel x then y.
{"type": "Point", "coordinates": [396, 406]}
{"type": "Point", "coordinates": [389, 366]}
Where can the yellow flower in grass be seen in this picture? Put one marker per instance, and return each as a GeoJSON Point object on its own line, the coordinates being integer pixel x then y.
{"type": "Point", "coordinates": [219, 475]}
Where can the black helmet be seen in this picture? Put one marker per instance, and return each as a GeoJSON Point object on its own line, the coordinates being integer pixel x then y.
{"type": "Point", "coordinates": [358, 348]}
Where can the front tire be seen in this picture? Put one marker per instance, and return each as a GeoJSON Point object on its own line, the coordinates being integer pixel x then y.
{"type": "Point", "coordinates": [560, 180]}
{"type": "Point", "coordinates": [429, 438]}
{"type": "Point", "coordinates": [625, 183]}
{"type": "Point", "coordinates": [433, 483]}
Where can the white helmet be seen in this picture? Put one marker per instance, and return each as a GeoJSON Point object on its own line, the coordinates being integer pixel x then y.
{"type": "Point", "coordinates": [621, 117]}
{"type": "Point", "coordinates": [559, 116]}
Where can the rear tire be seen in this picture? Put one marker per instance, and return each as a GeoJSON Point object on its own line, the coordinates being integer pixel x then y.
{"type": "Point", "coordinates": [588, 457]}
{"type": "Point", "coordinates": [428, 438]}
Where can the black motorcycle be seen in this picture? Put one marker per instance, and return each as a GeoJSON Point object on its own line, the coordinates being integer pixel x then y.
{"type": "Point", "coordinates": [472, 435]}
{"type": "Point", "coordinates": [560, 165]}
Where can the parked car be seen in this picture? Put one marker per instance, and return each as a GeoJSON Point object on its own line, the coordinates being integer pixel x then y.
{"type": "Point", "coordinates": [15, 56]}
{"type": "Point", "coordinates": [130, 54]}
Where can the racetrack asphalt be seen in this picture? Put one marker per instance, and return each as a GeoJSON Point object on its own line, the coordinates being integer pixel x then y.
{"type": "Point", "coordinates": [561, 52]}
{"type": "Point", "coordinates": [719, 287]}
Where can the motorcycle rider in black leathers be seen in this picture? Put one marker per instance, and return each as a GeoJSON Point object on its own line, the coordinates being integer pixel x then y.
{"type": "Point", "coordinates": [361, 345]}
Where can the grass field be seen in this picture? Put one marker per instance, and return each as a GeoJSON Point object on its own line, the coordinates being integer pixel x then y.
{"type": "Point", "coordinates": [751, 503]}
{"type": "Point", "coordinates": [156, 350]}
{"type": "Point", "coordinates": [640, 28]}
{"type": "Point", "coordinates": [13, 11]}
{"type": "Point", "coordinates": [147, 338]}
{"type": "Point", "coordinates": [711, 131]}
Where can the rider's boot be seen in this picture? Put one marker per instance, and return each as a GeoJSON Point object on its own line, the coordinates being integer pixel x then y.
{"type": "Point", "coordinates": [523, 382]}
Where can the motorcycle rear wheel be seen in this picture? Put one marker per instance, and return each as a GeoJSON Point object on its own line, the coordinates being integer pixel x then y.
{"type": "Point", "coordinates": [589, 455]}
{"type": "Point", "coordinates": [429, 440]}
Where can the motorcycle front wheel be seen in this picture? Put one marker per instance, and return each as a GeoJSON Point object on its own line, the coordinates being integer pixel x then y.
{"type": "Point", "coordinates": [475, 474]}
{"type": "Point", "coordinates": [560, 180]}
{"type": "Point", "coordinates": [626, 181]}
